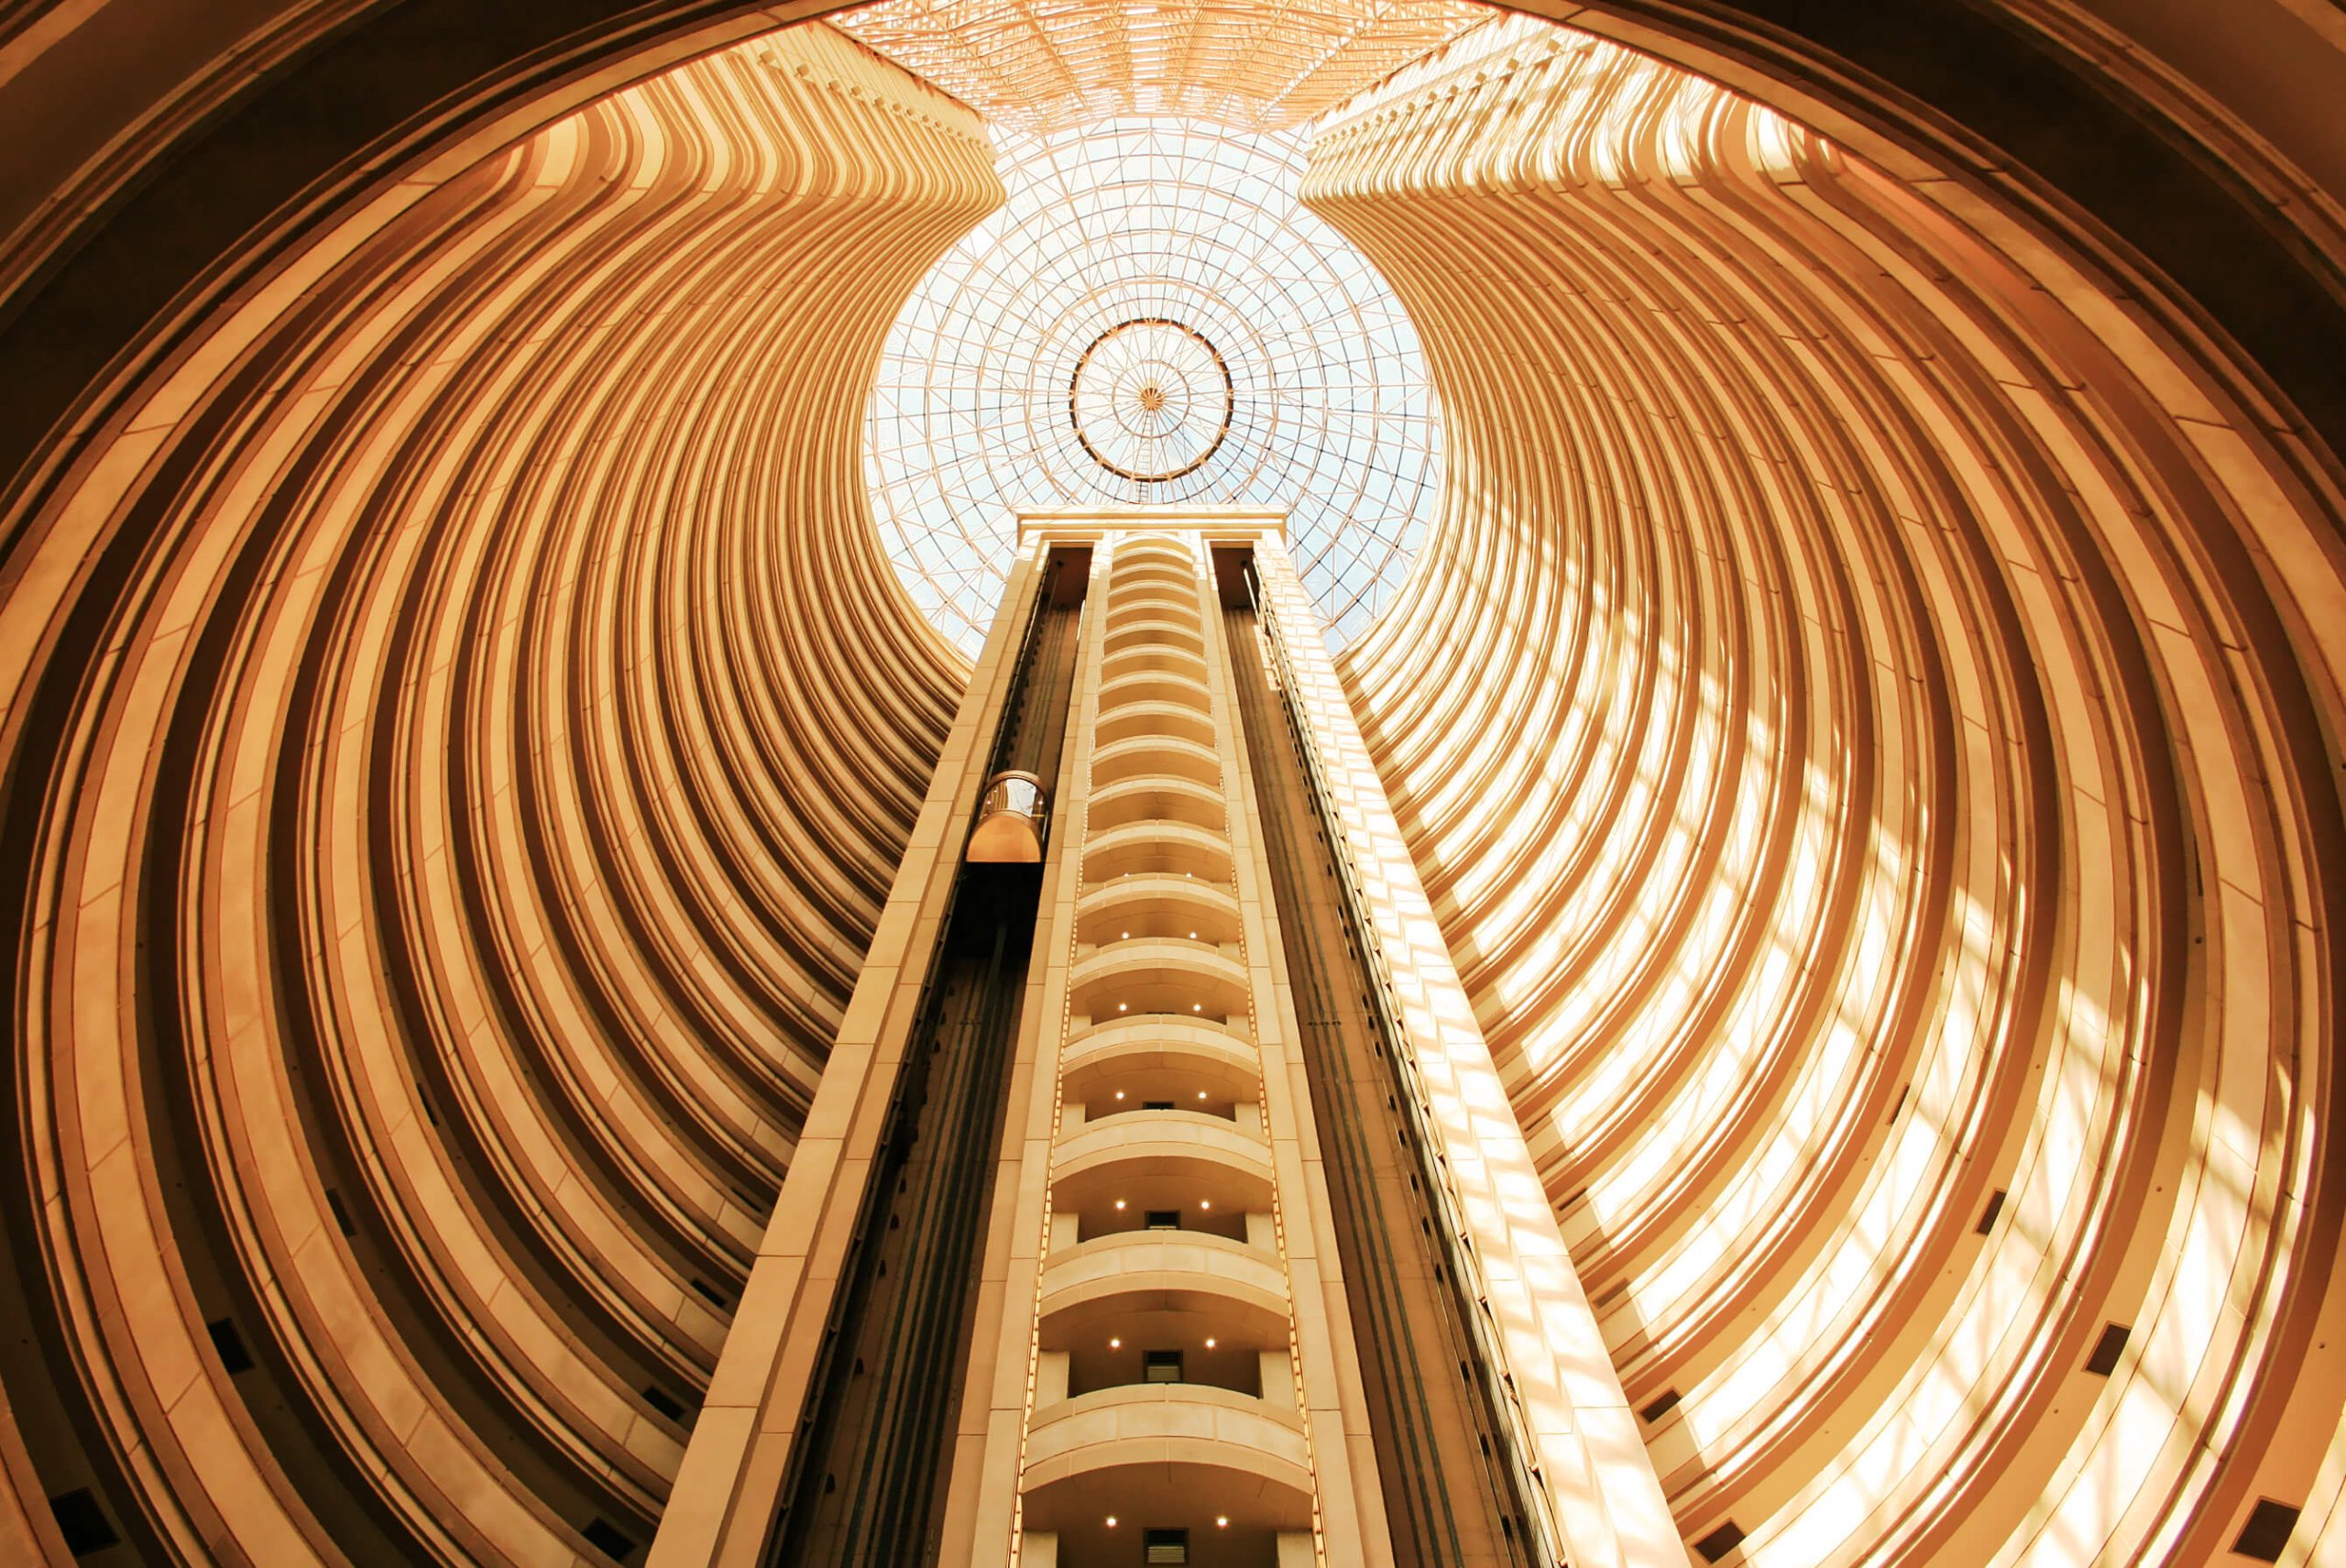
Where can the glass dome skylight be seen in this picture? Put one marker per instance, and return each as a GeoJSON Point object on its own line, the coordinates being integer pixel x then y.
{"type": "Point", "coordinates": [1152, 318]}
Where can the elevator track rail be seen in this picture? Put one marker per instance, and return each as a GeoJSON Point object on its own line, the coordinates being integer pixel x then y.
{"type": "Point", "coordinates": [1457, 1489]}
{"type": "Point", "coordinates": [874, 1445]}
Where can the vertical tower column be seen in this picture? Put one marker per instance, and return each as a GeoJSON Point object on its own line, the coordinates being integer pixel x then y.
{"type": "Point", "coordinates": [1173, 1379]}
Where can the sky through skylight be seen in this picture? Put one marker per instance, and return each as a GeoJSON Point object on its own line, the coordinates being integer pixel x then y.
{"type": "Point", "coordinates": [1152, 221]}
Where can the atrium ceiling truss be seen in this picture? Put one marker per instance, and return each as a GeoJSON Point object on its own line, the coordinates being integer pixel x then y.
{"type": "Point", "coordinates": [1035, 65]}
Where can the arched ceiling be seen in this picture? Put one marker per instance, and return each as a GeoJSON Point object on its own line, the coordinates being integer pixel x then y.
{"type": "Point", "coordinates": [459, 724]}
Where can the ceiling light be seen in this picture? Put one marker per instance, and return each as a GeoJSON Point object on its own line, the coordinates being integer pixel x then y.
{"type": "Point", "coordinates": [1120, 1202]}
{"type": "Point", "coordinates": [1222, 1521]}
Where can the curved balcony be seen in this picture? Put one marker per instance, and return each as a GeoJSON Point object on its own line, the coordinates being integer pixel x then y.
{"type": "Point", "coordinates": [1169, 906]}
{"type": "Point", "coordinates": [1155, 754]}
{"type": "Point", "coordinates": [1219, 1347]}
{"type": "Point", "coordinates": [1232, 1470]}
{"type": "Point", "coordinates": [1153, 585]}
{"type": "Point", "coordinates": [1176, 720]}
{"type": "Point", "coordinates": [1149, 1270]}
{"type": "Point", "coordinates": [1219, 1303]}
{"type": "Point", "coordinates": [1155, 847]}
{"type": "Point", "coordinates": [1167, 797]}
{"type": "Point", "coordinates": [1134, 562]}
{"type": "Point", "coordinates": [1156, 686]}
{"type": "Point", "coordinates": [1126, 1063]}
{"type": "Point", "coordinates": [1164, 661]}
{"type": "Point", "coordinates": [1149, 626]}
{"type": "Point", "coordinates": [1158, 974]}
{"type": "Point", "coordinates": [1114, 1174]}
{"type": "Point", "coordinates": [1124, 598]}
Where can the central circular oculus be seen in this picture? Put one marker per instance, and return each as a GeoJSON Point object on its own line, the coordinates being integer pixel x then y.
{"type": "Point", "coordinates": [1151, 399]}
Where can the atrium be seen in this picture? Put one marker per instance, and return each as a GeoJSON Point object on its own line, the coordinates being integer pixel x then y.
{"type": "Point", "coordinates": [1681, 663]}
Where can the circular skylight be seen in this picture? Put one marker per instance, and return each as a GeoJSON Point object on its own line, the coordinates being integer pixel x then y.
{"type": "Point", "coordinates": [1151, 400]}
{"type": "Point", "coordinates": [1152, 319]}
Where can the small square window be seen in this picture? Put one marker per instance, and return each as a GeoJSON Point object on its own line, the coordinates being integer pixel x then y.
{"type": "Point", "coordinates": [1163, 1220]}
{"type": "Point", "coordinates": [1165, 1546]}
{"type": "Point", "coordinates": [1160, 1366]}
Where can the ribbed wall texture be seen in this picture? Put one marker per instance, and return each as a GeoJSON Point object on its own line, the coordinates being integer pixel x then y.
{"type": "Point", "coordinates": [449, 889]}
{"type": "Point", "coordinates": [1864, 720]}
{"type": "Point", "coordinates": [1869, 719]}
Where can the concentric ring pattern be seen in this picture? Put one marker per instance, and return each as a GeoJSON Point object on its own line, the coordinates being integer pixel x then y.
{"type": "Point", "coordinates": [462, 896]}
{"type": "Point", "coordinates": [1151, 399]}
{"type": "Point", "coordinates": [1867, 713]}
{"type": "Point", "coordinates": [1901, 905]}
{"type": "Point", "coordinates": [1331, 415]}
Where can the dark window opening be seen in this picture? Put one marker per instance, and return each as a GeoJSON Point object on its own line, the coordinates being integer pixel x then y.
{"type": "Point", "coordinates": [1165, 1546]}
{"type": "Point", "coordinates": [1721, 1542]}
{"type": "Point", "coordinates": [1160, 1366]}
{"type": "Point", "coordinates": [1162, 1220]}
{"type": "Point", "coordinates": [2108, 1349]}
{"type": "Point", "coordinates": [230, 1344]}
{"type": "Point", "coordinates": [81, 1522]}
{"type": "Point", "coordinates": [1995, 1207]}
{"type": "Point", "coordinates": [605, 1538]}
{"type": "Point", "coordinates": [2266, 1533]}
{"type": "Point", "coordinates": [1663, 1406]}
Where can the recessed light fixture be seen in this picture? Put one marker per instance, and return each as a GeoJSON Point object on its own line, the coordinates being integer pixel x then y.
{"type": "Point", "coordinates": [1208, 1342]}
{"type": "Point", "coordinates": [1120, 1007]}
{"type": "Point", "coordinates": [1201, 1094]}
{"type": "Point", "coordinates": [1222, 1521]}
{"type": "Point", "coordinates": [1197, 1006]}
{"type": "Point", "coordinates": [1111, 1521]}
{"type": "Point", "coordinates": [1120, 1094]}
{"type": "Point", "coordinates": [1205, 1202]}
{"type": "Point", "coordinates": [1115, 1345]}
{"type": "Point", "coordinates": [1120, 1202]}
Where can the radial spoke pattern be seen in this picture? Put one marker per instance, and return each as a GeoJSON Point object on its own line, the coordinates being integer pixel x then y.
{"type": "Point", "coordinates": [1153, 262]}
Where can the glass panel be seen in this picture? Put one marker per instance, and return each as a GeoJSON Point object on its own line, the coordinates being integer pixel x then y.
{"type": "Point", "coordinates": [1152, 318]}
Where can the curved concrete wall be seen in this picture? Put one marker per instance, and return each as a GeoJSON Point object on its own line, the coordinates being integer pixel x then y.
{"type": "Point", "coordinates": [1869, 718]}
{"type": "Point", "coordinates": [449, 885]}
{"type": "Point", "coordinates": [1913, 687]}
